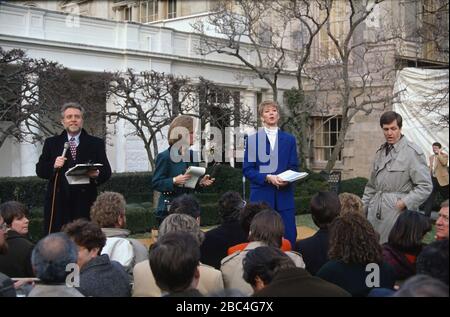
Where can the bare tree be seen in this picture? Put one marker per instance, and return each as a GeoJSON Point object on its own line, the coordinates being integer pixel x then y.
{"type": "Point", "coordinates": [24, 83]}
{"type": "Point", "coordinates": [433, 35]}
{"type": "Point", "coordinates": [259, 35]}
{"type": "Point", "coordinates": [352, 77]}
{"type": "Point", "coordinates": [149, 101]}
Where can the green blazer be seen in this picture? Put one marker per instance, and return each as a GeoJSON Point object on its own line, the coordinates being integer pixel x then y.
{"type": "Point", "coordinates": [162, 180]}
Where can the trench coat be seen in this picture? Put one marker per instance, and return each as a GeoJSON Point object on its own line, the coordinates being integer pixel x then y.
{"type": "Point", "coordinates": [402, 174]}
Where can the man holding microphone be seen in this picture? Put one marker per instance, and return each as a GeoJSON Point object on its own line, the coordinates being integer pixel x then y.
{"type": "Point", "coordinates": [63, 202]}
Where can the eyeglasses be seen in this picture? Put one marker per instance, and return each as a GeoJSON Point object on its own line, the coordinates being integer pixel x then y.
{"type": "Point", "coordinates": [3, 226]}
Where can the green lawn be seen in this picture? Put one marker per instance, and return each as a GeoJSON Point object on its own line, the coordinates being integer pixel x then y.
{"type": "Point", "coordinates": [302, 220]}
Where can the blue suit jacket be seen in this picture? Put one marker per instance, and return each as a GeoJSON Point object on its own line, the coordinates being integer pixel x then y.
{"type": "Point", "coordinates": [260, 161]}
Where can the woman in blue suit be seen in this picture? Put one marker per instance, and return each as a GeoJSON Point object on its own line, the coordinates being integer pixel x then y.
{"type": "Point", "coordinates": [169, 175]}
{"type": "Point", "coordinates": [268, 153]}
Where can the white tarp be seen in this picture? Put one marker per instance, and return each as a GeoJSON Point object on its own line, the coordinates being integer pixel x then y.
{"type": "Point", "coordinates": [423, 89]}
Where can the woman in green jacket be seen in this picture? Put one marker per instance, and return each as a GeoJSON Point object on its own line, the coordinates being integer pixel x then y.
{"type": "Point", "coordinates": [169, 176]}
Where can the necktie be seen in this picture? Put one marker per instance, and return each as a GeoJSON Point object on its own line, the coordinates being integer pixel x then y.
{"type": "Point", "coordinates": [389, 147]}
{"type": "Point", "coordinates": [73, 148]}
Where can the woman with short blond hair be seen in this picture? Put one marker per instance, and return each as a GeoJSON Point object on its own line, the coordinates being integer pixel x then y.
{"type": "Point", "coordinates": [268, 153]}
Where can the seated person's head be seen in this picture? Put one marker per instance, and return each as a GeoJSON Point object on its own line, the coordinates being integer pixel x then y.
{"type": "Point", "coordinates": [88, 237]}
{"type": "Point", "coordinates": [442, 222]}
{"type": "Point", "coordinates": [433, 260]}
{"type": "Point", "coordinates": [262, 264]}
{"type": "Point", "coordinates": [174, 261]}
{"type": "Point", "coordinates": [408, 232]}
{"type": "Point", "coordinates": [422, 286]}
{"type": "Point", "coordinates": [15, 215]}
{"type": "Point", "coordinates": [351, 203]}
{"type": "Point", "coordinates": [108, 210]}
{"type": "Point", "coordinates": [186, 204]}
{"type": "Point", "coordinates": [3, 228]}
{"type": "Point", "coordinates": [50, 258]}
{"type": "Point", "coordinates": [348, 233]}
{"type": "Point", "coordinates": [181, 222]}
{"type": "Point", "coordinates": [230, 206]}
{"type": "Point", "coordinates": [267, 227]}
{"type": "Point", "coordinates": [249, 211]}
{"type": "Point", "coordinates": [325, 206]}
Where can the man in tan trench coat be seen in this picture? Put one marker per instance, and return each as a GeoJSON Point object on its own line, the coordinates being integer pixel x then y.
{"type": "Point", "coordinates": [400, 178]}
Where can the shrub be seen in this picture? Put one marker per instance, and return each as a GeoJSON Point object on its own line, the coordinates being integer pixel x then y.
{"type": "Point", "coordinates": [354, 185]}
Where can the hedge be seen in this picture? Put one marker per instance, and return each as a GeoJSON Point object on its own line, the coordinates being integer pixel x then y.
{"type": "Point", "coordinates": [354, 185]}
{"type": "Point", "coordinates": [136, 187]}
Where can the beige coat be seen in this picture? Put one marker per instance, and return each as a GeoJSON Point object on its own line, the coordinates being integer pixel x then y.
{"type": "Point", "coordinates": [145, 285]}
{"type": "Point", "coordinates": [402, 174]}
{"type": "Point", "coordinates": [441, 171]}
{"type": "Point", "coordinates": [233, 270]}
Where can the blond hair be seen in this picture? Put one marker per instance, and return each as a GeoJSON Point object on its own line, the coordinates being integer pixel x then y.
{"type": "Point", "coordinates": [268, 103]}
{"type": "Point", "coordinates": [107, 208]}
{"type": "Point", "coordinates": [181, 121]}
{"type": "Point", "coordinates": [351, 203]}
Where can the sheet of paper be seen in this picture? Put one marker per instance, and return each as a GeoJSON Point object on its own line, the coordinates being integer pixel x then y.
{"type": "Point", "coordinates": [195, 172]}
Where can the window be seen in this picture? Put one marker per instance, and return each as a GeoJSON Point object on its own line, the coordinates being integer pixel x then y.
{"type": "Point", "coordinates": [172, 9]}
{"type": "Point", "coordinates": [326, 134]}
{"type": "Point", "coordinates": [338, 22]}
{"type": "Point", "coordinates": [148, 11]}
{"type": "Point", "coordinates": [127, 14]}
{"type": "Point", "coordinates": [297, 40]}
{"type": "Point", "coordinates": [265, 34]}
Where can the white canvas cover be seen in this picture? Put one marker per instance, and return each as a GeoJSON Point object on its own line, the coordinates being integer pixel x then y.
{"type": "Point", "coordinates": [423, 88]}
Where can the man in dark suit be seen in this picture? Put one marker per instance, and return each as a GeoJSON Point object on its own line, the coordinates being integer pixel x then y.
{"type": "Point", "coordinates": [325, 207]}
{"type": "Point", "coordinates": [63, 202]}
{"type": "Point", "coordinates": [268, 153]}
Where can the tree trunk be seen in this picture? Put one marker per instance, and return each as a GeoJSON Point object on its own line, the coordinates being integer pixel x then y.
{"type": "Point", "coordinates": [304, 146]}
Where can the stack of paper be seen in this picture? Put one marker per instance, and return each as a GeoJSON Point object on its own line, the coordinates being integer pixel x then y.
{"type": "Point", "coordinates": [292, 176]}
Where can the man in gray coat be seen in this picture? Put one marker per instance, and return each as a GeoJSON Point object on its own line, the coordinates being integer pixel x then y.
{"type": "Point", "coordinates": [400, 178]}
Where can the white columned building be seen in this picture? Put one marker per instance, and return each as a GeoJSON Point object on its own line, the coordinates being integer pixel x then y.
{"type": "Point", "coordinates": [94, 45]}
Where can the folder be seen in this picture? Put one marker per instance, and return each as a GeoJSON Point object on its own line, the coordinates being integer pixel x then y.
{"type": "Point", "coordinates": [77, 175]}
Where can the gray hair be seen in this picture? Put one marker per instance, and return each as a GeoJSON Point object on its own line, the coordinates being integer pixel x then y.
{"type": "Point", "coordinates": [68, 105]}
{"type": "Point", "coordinates": [444, 204]}
{"type": "Point", "coordinates": [51, 256]}
{"type": "Point", "coordinates": [181, 222]}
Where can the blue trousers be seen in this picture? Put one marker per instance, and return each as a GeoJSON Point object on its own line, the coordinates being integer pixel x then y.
{"type": "Point", "coordinates": [290, 228]}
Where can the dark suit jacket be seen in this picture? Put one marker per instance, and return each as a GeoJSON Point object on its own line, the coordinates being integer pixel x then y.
{"type": "Point", "coordinates": [74, 201]}
{"type": "Point", "coordinates": [282, 158]}
{"type": "Point", "coordinates": [352, 276]}
{"type": "Point", "coordinates": [297, 282]}
{"type": "Point", "coordinates": [314, 250]}
{"type": "Point", "coordinates": [17, 260]}
{"type": "Point", "coordinates": [162, 179]}
{"type": "Point", "coordinates": [217, 241]}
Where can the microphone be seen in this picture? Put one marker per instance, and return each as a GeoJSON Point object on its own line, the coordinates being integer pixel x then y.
{"type": "Point", "coordinates": [243, 176]}
{"type": "Point", "coordinates": [66, 147]}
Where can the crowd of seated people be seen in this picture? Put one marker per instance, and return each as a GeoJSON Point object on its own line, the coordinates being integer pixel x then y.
{"type": "Point", "coordinates": [246, 255]}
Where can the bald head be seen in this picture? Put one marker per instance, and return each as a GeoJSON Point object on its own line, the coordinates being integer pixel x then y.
{"type": "Point", "coordinates": [51, 256]}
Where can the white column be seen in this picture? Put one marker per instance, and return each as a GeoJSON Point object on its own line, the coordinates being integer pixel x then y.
{"type": "Point", "coordinates": [28, 148]}
{"type": "Point", "coordinates": [115, 141]}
